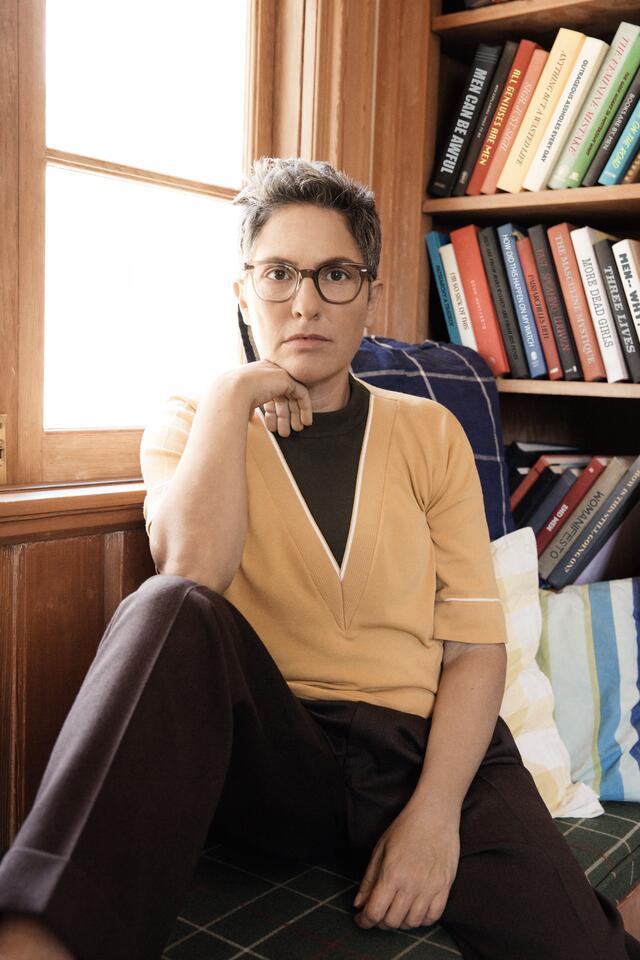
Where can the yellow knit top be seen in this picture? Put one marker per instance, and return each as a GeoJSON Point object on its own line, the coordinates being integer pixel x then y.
{"type": "Point", "coordinates": [416, 570]}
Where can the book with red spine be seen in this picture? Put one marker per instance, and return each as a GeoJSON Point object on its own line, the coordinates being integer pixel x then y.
{"type": "Point", "coordinates": [506, 100]}
{"type": "Point", "coordinates": [512, 125]}
{"type": "Point", "coordinates": [479, 301]}
{"type": "Point", "coordinates": [539, 307]}
{"type": "Point", "coordinates": [569, 502]}
{"type": "Point", "coordinates": [546, 460]}
{"type": "Point", "coordinates": [575, 301]}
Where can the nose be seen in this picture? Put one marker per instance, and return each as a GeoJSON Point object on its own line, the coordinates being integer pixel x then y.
{"type": "Point", "coordinates": [306, 302]}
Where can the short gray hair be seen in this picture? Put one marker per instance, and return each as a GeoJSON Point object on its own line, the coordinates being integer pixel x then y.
{"type": "Point", "coordinates": [275, 182]}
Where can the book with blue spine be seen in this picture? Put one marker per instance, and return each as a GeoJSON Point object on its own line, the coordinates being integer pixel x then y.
{"type": "Point", "coordinates": [508, 233]}
{"type": "Point", "coordinates": [434, 240]}
{"type": "Point", "coordinates": [624, 151]}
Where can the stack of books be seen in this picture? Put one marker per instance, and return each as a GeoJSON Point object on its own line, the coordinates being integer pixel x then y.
{"type": "Point", "coordinates": [584, 511]}
{"type": "Point", "coordinates": [549, 302]}
{"type": "Point", "coordinates": [531, 119]}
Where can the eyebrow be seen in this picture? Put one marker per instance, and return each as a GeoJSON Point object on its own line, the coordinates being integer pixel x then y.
{"type": "Point", "coordinates": [291, 263]}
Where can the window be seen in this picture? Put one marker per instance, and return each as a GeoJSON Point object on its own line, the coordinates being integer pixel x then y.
{"type": "Point", "coordinates": [136, 120]}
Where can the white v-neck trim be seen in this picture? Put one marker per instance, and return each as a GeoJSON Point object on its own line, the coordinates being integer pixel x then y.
{"type": "Point", "coordinates": [340, 571]}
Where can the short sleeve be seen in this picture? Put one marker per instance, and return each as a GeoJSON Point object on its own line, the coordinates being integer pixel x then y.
{"type": "Point", "coordinates": [467, 603]}
{"type": "Point", "coordinates": [163, 442]}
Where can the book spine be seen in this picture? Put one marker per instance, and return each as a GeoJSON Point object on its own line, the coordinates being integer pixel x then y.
{"type": "Point", "coordinates": [502, 302]}
{"type": "Point", "coordinates": [575, 302]}
{"type": "Point", "coordinates": [507, 236]}
{"type": "Point", "coordinates": [629, 271]}
{"type": "Point", "coordinates": [539, 308]}
{"type": "Point", "coordinates": [476, 289]}
{"type": "Point", "coordinates": [511, 127]}
{"type": "Point", "coordinates": [543, 461]}
{"type": "Point", "coordinates": [619, 504]}
{"type": "Point", "coordinates": [434, 241]}
{"type": "Point", "coordinates": [618, 305]}
{"type": "Point", "coordinates": [452, 275]}
{"type": "Point", "coordinates": [555, 304]}
{"type": "Point", "coordinates": [613, 134]}
{"type": "Point", "coordinates": [586, 509]}
{"type": "Point", "coordinates": [466, 117]}
{"type": "Point", "coordinates": [486, 117]}
{"type": "Point", "coordinates": [561, 513]}
{"type": "Point", "coordinates": [557, 493]}
{"type": "Point", "coordinates": [624, 152]}
{"type": "Point", "coordinates": [535, 495]}
{"type": "Point", "coordinates": [560, 61]}
{"type": "Point", "coordinates": [603, 325]}
{"type": "Point", "coordinates": [629, 63]}
{"type": "Point", "coordinates": [588, 62]}
{"type": "Point", "coordinates": [508, 95]}
{"type": "Point", "coordinates": [633, 173]}
{"type": "Point", "coordinates": [606, 93]}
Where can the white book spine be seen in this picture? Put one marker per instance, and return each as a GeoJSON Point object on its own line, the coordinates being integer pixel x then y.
{"type": "Point", "coordinates": [595, 292]}
{"type": "Point", "coordinates": [627, 254]}
{"type": "Point", "coordinates": [626, 33]}
{"type": "Point", "coordinates": [571, 99]}
{"type": "Point", "coordinates": [452, 274]}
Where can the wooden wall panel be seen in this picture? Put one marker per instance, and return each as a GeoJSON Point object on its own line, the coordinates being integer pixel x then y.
{"type": "Point", "coordinates": [58, 596]}
{"type": "Point", "coordinates": [62, 586]}
{"type": "Point", "coordinates": [399, 163]}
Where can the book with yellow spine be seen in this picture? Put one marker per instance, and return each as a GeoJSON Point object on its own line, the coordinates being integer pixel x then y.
{"type": "Point", "coordinates": [560, 62]}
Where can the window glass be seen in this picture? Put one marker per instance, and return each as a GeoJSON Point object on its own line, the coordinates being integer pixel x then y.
{"type": "Point", "coordinates": [138, 297]}
{"type": "Point", "coordinates": [155, 84]}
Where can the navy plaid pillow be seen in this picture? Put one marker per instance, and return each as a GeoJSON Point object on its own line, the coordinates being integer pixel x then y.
{"type": "Point", "coordinates": [458, 378]}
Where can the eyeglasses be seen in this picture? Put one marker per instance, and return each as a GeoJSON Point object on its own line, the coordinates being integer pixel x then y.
{"type": "Point", "coordinates": [336, 281]}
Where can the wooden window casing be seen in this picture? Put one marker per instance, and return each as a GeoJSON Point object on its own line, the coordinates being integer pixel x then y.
{"type": "Point", "coordinates": [35, 455]}
{"type": "Point", "coordinates": [323, 83]}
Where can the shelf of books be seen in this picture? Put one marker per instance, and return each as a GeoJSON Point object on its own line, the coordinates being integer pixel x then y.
{"type": "Point", "coordinates": [533, 240]}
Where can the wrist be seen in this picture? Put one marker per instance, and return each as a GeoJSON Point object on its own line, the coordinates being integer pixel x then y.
{"type": "Point", "coordinates": [230, 392]}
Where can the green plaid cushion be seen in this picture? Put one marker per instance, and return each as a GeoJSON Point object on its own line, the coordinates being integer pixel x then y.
{"type": "Point", "coordinates": [279, 908]}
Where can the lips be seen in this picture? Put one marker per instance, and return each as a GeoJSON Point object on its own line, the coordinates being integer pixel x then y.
{"type": "Point", "coordinates": [303, 336]}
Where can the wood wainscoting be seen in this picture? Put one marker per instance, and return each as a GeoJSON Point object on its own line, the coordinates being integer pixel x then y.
{"type": "Point", "coordinates": [67, 559]}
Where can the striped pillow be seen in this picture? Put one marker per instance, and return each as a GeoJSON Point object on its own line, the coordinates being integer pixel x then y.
{"type": "Point", "coordinates": [527, 706]}
{"type": "Point", "coordinates": [589, 650]}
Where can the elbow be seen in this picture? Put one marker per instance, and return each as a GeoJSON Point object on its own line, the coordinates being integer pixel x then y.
{"type": "Point", "coordinates": [208, 577]}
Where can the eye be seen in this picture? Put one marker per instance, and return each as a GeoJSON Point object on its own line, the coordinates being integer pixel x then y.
{"type": "Point", "coordinates": [336, 273]}
{"type": "Point", "coordinates": [278, 272]}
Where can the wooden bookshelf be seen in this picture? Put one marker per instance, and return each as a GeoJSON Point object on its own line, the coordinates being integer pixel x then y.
{"type": "Point", "coordinates": [573, 388]}
{"type": "Point", "coordinates": [603, 414]}
{"type": "Point", "coordinates": [595, 202]}
{"type": "Point", "coordinates": [520, 17]}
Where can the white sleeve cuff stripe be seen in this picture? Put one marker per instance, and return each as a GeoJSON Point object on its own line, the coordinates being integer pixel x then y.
{"type": "Point", "coordinates": [469, 600]}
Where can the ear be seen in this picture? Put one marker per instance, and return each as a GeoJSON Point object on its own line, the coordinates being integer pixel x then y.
{"type": "Point", "coordinates": [238, 290]}
{"type": "Point", "coordinates": [373, 305]}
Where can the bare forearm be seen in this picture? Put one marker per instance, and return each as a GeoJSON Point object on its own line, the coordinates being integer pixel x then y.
{"type": "Point", "coordinates": [200, 524]}
{"type": "Point", "coordinates": [464, 717]}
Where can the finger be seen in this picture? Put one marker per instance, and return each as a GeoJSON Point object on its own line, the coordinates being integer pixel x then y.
{"type": "Point", "coordinates": [416, 914]}
{"type": "Point", "coordinates": [294, 414]}
{"type": "Point", "coordinates": [397, 911]}
{"type": "Point", "coordinates": [374, 911]}
{"type": "Point", "coordinates": [436, 908]}
{"type": "Point", "coordinates": [301, 394]}
{"type": "Point", "coordinates": [368, 881]}
{"type": "Point", "coordinates": [270, 419]}
{"type": "Point", "coordinates": [379, 897]}
{"type": "Point", "coordinates": [282, 414]}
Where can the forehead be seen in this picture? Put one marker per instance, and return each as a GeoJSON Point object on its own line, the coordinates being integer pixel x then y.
{"type": "Point", "coordinates": [305, 234]}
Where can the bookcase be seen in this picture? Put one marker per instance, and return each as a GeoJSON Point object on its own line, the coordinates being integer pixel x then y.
{"type": "Point", "coordinates": [604, 417]}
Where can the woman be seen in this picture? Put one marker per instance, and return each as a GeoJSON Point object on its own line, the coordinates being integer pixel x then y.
{"type": "Point", "coordinates": [320, 663]}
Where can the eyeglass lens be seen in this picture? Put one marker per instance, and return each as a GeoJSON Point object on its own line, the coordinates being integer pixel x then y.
{"type": "Point", "coordinates": [338, 282]}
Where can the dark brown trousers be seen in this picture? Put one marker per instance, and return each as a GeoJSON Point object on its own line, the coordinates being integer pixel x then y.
{"type": "Point", "coordinates": [184, 730]}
